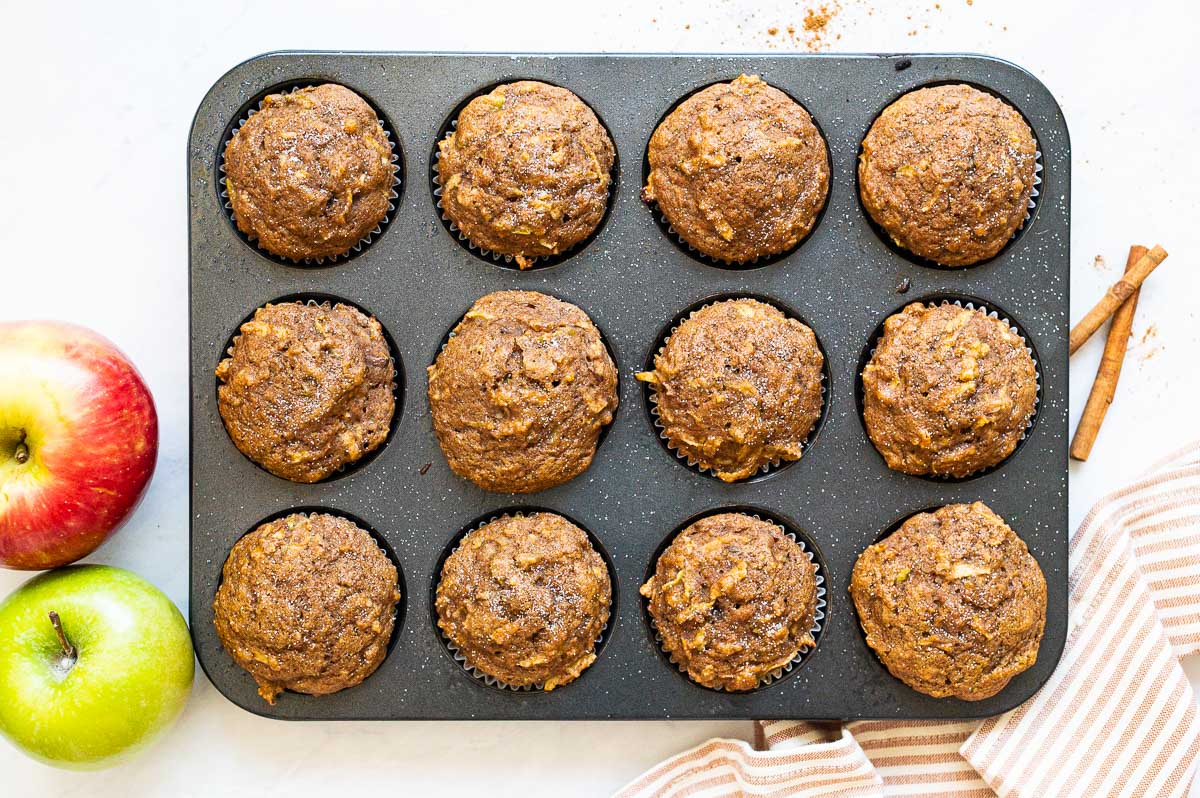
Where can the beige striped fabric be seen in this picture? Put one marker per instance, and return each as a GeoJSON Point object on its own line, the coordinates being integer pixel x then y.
{"type": "Point", "coordinates": [1117, 718]}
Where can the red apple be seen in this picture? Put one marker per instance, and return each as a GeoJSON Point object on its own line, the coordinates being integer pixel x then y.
{"type": "Point", "coordinates": [78, 442]}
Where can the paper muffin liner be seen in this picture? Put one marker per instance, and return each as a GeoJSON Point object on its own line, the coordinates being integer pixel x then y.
{"type": "Point", "coordinates": [393, 194]}
{"type": "Point", "coordinates": [721, 263]}
{"type": "Point", "coordinates": [488, 679]}
{"type": "Point", "coordinates": [766, 467]}
{"type": "Point", "coordinates": [397, 385]}
{"type": "Point", "coordinates": [801, 655]}
{"type": "Point", "coordinates": [990, 312]}
{"type": "Point", "coordinates": [1035, 193]}
{"type": "Point", "coordinates": [536, 262]}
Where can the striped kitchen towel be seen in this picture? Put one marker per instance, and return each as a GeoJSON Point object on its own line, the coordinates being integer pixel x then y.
{"type": "Point", "coordinates": [1117, 718]}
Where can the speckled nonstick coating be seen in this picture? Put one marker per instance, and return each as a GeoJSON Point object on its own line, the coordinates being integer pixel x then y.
{"type": "Point", "coordinates": [631, 279]}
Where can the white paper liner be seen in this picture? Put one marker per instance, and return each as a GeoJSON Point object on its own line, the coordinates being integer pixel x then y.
{"type": "Point", "coordinates": [488, 679]}
{"type": "Point", "coordinates": [801, 655]}
{"type": "Point", "coordinates": [393, 194]}
{"type": "Point", "coordinates": [396, 387]}
{"type": "Point", "coordinates": [766, 467]}
{"type": "Point", "coordinates": [1037, 371]}
{"type": "Point", "coordinates": [535, 262]}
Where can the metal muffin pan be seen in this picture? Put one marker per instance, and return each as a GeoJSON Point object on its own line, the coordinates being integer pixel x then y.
{"type": "Point", "coordinates": [632, 279]}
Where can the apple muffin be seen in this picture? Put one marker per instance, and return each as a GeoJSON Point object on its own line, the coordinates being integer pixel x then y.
{"type": "Point", "coordinates": [310, 175]}
{"type": "Point", "coordinates": [524, 599]}
{"type": "Point", "coordinates": [947, 172]}
{"type": "Point", "coordinates": [521, 392]}
{"type": "Point", "coordinates": [525, 171]}
{"type": "Point", "coordinates": [952, 602]}
{"type": "Point", "coordinates": [739, 170]}
{"type": "Point", "coordinates": [734, 600]}
{"type": "Point", "coordinates": [948, 392]}
{"type": "Point", "coordinates": [737, 387]}
{"type": "Point", "coordinates": [307, 389]}
{"type": "Point", "coordinates": [307, 603]}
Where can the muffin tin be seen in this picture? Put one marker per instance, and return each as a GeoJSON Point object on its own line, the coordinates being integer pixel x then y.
{"type": "Point", "coordinates": [632, 279]}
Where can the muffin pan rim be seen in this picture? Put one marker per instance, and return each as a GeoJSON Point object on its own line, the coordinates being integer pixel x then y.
{"type": "Point", "coordinates": [625, 689]}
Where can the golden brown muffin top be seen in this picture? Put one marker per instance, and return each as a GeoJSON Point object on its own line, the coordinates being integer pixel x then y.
{"type": "Point", "coordinates": [521, 392]}
{"type": "Point", "coordinates": [952, 602]}
{"type": "Point", "coordinates": [307, 389]}
{"type": "Point", "coordinates": [306, 603]}
{"type": "Point", "coordinates": [733, 599]}
{"type": "Point", "coordinates": [949, 391]}
{"type": "Point", "coordinates": [526, 170]}
{"type": "Point", "coordinates": [524, 599]}
{"type": "Point", "coordinates": [739, 170]}
{"type": "Point", "coordinates": [737, 386]}
{"type": "Point", "coordinates": [948, 172]}
{"type": "Point", "coordinates": [310, 174]}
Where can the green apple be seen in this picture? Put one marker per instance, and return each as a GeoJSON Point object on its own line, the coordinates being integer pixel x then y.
{"type": "Point", "coordinates": [95, 662]}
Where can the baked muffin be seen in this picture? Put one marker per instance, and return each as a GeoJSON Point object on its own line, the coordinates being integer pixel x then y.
{"type": "Point", "coordinates": [948, 392]}
{"type": "Point", "coordinates": [307, 389]}
{"type": "Point", "coordinates": [307, 603]}
{"type": "Point", "coordinates": [733, 599]}
{"type": "Point", "coordinates": [521, 391]}
{"type": "Point", "coordinates": [525, 171]}
{"type": "Point", "coordinates": [952, 602]}
{"type": "Point", "coordinates": [524, 599]}
{"type": "Point", "coordinates": [947, 172]}
{"type": "Point", "coordinates": [310, 175]}
{"type": "Point", "coordinates": [737, 387]}
{"type": "Point", "coordinates": [739, 170]}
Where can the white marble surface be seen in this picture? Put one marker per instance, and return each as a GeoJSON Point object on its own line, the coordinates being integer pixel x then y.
{"type": "Point", "coordinates": [98, 101]}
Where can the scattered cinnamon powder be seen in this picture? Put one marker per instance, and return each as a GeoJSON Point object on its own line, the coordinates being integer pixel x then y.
{"type": "Point", "coordinates": [813, 32]}
{"type": "Point", "coordinates": [1098, 264]}
{"type": "Point", "coordinates": [815, 19]}
{"type": "Point", "coordinates": [1146, 344]}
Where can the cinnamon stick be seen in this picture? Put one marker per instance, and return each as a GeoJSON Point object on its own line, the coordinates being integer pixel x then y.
{"type": "Point", "coordinates": [1115, 296]}
{"type": "Point", "coordinates": [1105, 386]}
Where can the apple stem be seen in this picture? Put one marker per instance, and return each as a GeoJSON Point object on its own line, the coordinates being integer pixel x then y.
{"type": "Point", "coordinates": [21, 455]}
{"type": "Point", "coordinates": [69, 652]}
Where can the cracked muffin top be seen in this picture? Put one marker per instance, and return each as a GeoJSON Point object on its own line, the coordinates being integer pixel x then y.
{"type": "Point", "coordinates": [307, 389]}
{"type": "Point", "coordinates": [739, 170]}
{"type": "Point", "coordinates": [949, 391]}
{"type": "Point", "coordinates": [524, 599]}
{"type": "Point", "coordinates": [737, 387]}
{"type": "Point", "coordinates": [521, 392]}
{"type": "Point", "coordinates": [525, 171]}
{"type": "Point", "coordinates": [952, 602]}
{"type": "Point", "coordinates": [734, 600]}
{"type": "Point", "coordinates": [307, 603]}
{"type": "Point", "coordinates": [947, 172]}
{"type": "Point", "coordinates": [310, 174]}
